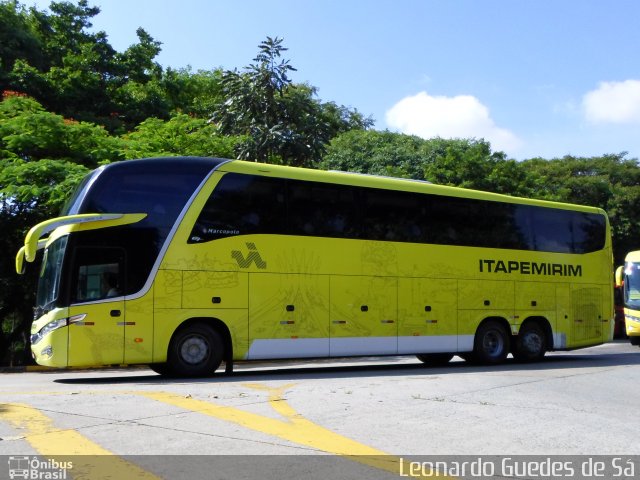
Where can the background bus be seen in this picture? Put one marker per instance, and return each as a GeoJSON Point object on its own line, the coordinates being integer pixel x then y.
{"type": "Point", "coordinates": [210, 260]}
{"type": "Point", "coordinates": [628, 280]}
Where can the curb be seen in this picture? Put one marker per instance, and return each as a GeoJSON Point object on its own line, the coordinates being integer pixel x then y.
{"type": "Point", "coordinates": [41, 369]}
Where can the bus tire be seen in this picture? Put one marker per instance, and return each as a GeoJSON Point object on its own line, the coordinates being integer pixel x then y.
{"type": "Point", "coordinates": [435, 359]}
{"type": "Point", "coordinates": [195, 351]}
{"type": "Point", "coordinates": [491, 344]}
{"type": "Point", "coordinates": [531, 343]}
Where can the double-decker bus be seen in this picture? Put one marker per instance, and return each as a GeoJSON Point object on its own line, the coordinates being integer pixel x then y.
{"type": "Point", "coordinates": [628, 279]}
{"type": "Point", "coordinates": [183, 263]}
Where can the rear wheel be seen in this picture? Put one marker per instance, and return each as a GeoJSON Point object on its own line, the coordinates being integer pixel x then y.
{"type": "Point", "coordinates": [491, 345]}
{"type": "Point", "coordinates": [435, 358]}
{"type": "Point", "coordinates": [531, 344]}
{"type": "Point", "coordinates": [195, 351]}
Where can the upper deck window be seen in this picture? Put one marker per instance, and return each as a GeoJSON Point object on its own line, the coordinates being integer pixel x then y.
{"type": "Point", "coordinates": [295, 207]}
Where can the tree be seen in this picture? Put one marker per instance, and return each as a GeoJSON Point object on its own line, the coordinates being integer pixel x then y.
{"type": "Point", "coordinates": [457, 162]}
{"type": "Point", "coordinates": [181, 135]}
{"type": "Point", "coordinates": [77, 73]}
{"type": "Point", "coordinates": [17, 40]}
{"type": "Point", "coordinates": [377, 153]}
{"type": "Point", "coordinates": [281, 122]}
{"type": "Point", "coordinates": [42, 158]}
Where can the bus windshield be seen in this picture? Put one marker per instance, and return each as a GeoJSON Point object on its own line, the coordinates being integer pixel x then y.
{"type": "Point", "coordinates": [50, 275]}
{"type": "Point", "coordinates": [632, 285]}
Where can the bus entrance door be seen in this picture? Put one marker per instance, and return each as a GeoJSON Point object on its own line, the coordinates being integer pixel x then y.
{"type": "Point", "coordinates": [97, 315]}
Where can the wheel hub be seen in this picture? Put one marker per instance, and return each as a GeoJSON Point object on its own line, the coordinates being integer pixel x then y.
{"type": "Point", "coordinates": [194, 350]}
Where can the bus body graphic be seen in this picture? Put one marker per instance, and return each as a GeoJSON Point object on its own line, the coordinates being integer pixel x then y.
{"type": "Point", "coordinates": [252, 257]}
{"type": "Point", "coordinates": [195, 261]}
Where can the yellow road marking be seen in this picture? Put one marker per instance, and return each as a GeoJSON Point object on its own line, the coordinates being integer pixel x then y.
{"type": "Point", "coordinates": [60, 445]}
{"type": "Point", "coordinates": [294, 428]}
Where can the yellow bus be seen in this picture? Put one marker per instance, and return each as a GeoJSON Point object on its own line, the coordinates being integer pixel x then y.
{"type": "Point", "coordinates": [628, 278]}
{"type": "Point", "coordinates": [183, 263]}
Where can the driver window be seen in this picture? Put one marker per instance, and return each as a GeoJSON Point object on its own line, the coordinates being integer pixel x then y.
{"type": "Point", "coordinates": [99, 274]}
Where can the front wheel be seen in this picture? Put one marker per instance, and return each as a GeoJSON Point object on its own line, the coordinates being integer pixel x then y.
{"type": "Point", "coordinates": [195, 351]}
{"type": "Point", "coordinates": [435, 359]}
{"type": "Point", "coordinates": [531, 343]}
{"type": "Point", "coordinates": [491, 345]}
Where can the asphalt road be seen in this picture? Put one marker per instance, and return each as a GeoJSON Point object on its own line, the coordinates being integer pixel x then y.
{"type": "Point", "coordinates": [573, 403]}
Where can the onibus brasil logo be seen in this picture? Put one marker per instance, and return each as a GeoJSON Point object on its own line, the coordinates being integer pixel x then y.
{"type": "Point", "coordinates": [34, 468]}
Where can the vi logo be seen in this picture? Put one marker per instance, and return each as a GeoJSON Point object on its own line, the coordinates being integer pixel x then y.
{"type": "Point", "coordinates": [252, 257]}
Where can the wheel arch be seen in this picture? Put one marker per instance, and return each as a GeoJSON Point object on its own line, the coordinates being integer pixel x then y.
{"type": "Point", "coordinates": [501, 320]}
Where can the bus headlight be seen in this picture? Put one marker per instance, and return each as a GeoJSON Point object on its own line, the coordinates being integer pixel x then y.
{"type": "Point", "coordinates": [48, 328]}
{"type": "Point", "coordinates": [56, 324]}
{"type": "Point", "coordinates": [631, 318]}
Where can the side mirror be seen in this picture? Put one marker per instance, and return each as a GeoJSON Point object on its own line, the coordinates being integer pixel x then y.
{"type": "Point", "coordinates": [619, 281]}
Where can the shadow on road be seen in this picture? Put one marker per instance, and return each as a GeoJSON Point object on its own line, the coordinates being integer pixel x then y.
{"type": "Point", "coordinates": [363, 367]}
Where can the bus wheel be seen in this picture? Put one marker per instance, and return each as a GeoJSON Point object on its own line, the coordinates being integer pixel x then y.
{"type": "Point", "coordinates": [195, 351]}
{"type": "Point", "coordinates": [531, 343]}
{"type": "Point", "coordinates": [435, 358]}
{"type": "Point", "coordinates": [491, 344]}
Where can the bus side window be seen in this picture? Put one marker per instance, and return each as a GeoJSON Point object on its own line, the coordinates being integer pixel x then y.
{"type": "Point", "coordinates": [322, 210]}
{"type": "Point", "coordinates": [241, 205]}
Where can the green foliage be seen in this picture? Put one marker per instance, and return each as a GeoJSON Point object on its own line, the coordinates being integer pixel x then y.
{"type": "Point", "coordinates": [377, 153]}
{"type": "Point", "coordinates": [17, 40]}
{"type": "Point", "coordinates": [181, 135]}
{"type": "Point", "coordinates": [281, 122]}
{"type": "Point", "coordinates": [30, 133]}
{"type": "Point", "coordinates": [195, 94]}
{"type": "Point", "coordinates": [460, 162]}
{"type": "Point", "coordinates": [43, 184]}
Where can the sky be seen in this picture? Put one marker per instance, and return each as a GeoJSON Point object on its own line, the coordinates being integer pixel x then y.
{"type": "Point", "coordinates": [536, 78]}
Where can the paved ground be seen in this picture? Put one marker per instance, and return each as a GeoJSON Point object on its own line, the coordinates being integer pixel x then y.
{"type": "Point", "coordinates": [573, 403]}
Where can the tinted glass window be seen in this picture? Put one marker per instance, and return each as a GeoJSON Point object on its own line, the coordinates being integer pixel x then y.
{"type": "Point", "coordinates": [322, 210]}
{"type": "Point", "coordinates": [51, 273]}
{"type": "Point", "coordinates": [242, 205]}
{"type": "Point", "coordinates": [588, 232]}
{"type": "Point", "coordinates": [245, 204]}
{"type": "Point", "coordinates": [392, 216]}
{"type": "Point", "coordinates": [158, 187]}
{"type": "Point", "coordinates": [632, 285]}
